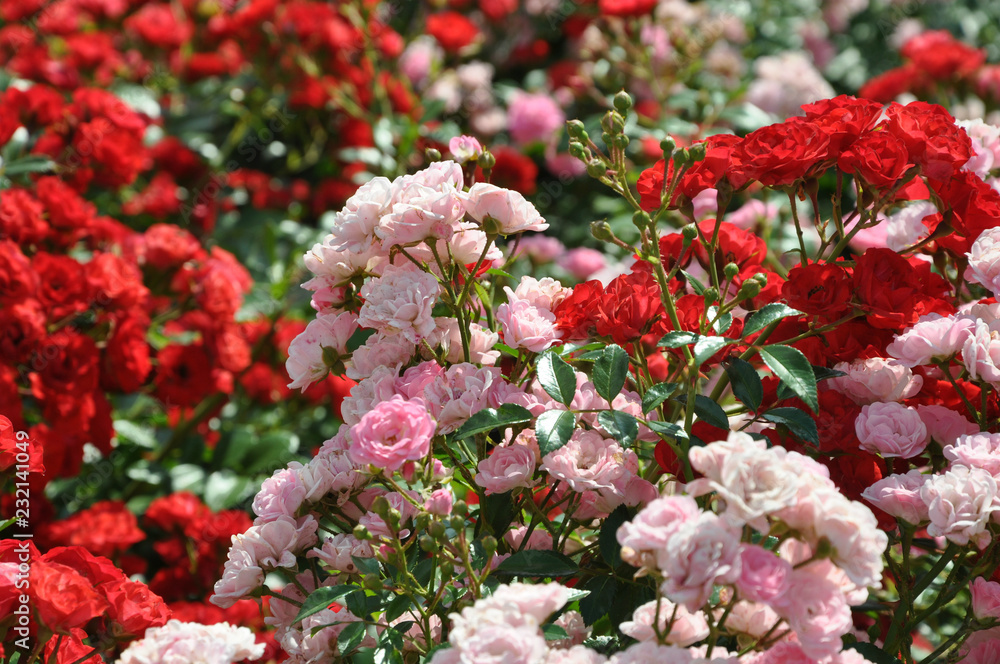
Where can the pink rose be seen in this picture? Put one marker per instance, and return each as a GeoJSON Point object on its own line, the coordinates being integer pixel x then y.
{"type": "Point", "coordinates": [978, 450]}
{"type": "Point", "coordinates": [982, 647]}
{"type": "Point", "coordinates": [653, 526]}
{"type": "Point", "coordinates": [981, 353]}
{"type": "Point", "coordinates": [540, 249]}
{"type": "Point", "coordinates": [534, 117]}
{"type": "Point", "coordinates": [339, 551]}
{"type": "Point", "coordinates": [582, 262]}
{"type": "Point", "coordinates": [892, 430]}
{"type": "Point", "coordinates": [945, 425]}
{"type": "Point", "coordinates": [763, 575]}
{"type": "Point", "coordinates": [960, 503]}
{"type": "Point", "coordinates": [587, 461]}
{"type": "Point", "coordinates": [932, 339]}
{"type": "Point", "coordinates": [325, 338]}
{"type": "Point", "coordinates": [686, 629]}
{"type": "Point", "coordinates": [985, 598]}
{"type": "Point", "coordinates": [464, 148]}
{"type": "Point", "coordinates": [817, 612]}
{"type": "Point", "coordinates": [984, 261]}
{"type": "Point", "coordinates": [876, 379]}
{"type": "Point", "coordinates": [506, 468]}
{"type": "Point", "coordinates": [241, 576]}
{"type": "Point", "coordinates": [510, 212]}
{"type": "Point", "coordinates": [439, 503]}
{"type": "Point", "coordinates": [700, 554]}
{"type": "Point", "coordinates": [280, 495]}
{"type": "Point", "coordinates": [393, 432]}
{"type": "Point", "coordinates": [899, 495]}
{"type": "Point", "coordinates": [400, 301]}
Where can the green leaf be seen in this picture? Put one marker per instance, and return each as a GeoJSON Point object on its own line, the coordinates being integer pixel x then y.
{"type": "Point", "coordinates": [656, 395]}
{"type": "Point", "coordinates": [745, 381]}
{"type": "Point", "coordinates": [791, 366]}
{"type": "Point", "coordinates": [668, 429]}
{"type": "Point", "coordinates": [610, 372]}
{"type": "Point", "coordinates": [399, 605]}
{"type": "Point", "coordinates": [708, 410]}
{"type": "Point", "coordinates": [554, 632]}
{"type": "Point", "coordinates": [553, 429]}
{"type": "Point", "coordinates": [557, 378]}
{"type": "Point", "coordinates": [706, 347]}
{"type": "Point", "coordinates": [140, 435]}
{"type": "Point", "coordinates": [697, 286]}
{"type": "Point", "coordinates": [677, 338]}
{"type": "Point", "coordinates": [797, 421]}
{"type": "Point", "coordinates": [602, 593]}
{"type": "Point", "coordinates": [873, 653]}
{"type": "Point", "coordinates": [321, 598]}
{"type": "Point", "coordinates": [538, 563]}
{"type": "Point", "coordinates": [766, 315]}
{"type": "Point", "coordinates": [498, 511]}
{"type": "Point", "coordinates": [575, 594]}
{"type": "Point", "coordinates": [822, 373]}
{"type": "Point", "coordinates": [351, 637]}
{"type": "Point", "coordinates": [492, 418]}
{"type": "Point", "coordinates": [611, 550]}
{"type": "Point", "coordinates": [499, 273]}
{"type": "Point", "coordinates": [621, 426]}
{"type": "Point", "coordinates": [29, 164]}
{"type": "Point", "coordinates": [365, 565]}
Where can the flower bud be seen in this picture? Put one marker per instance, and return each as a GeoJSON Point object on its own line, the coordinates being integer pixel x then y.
{"type": "Point", "coordinates": [597, 169]}
{"type": "Point", "coordinates": [436, 530]}
{"type": "Point", "coordinates": [432, 154]}
{"type": "Point", "coordinates": [460, 508]}
{"type": "Point", "coordinates": [682, 157]}
{"type": "Point", "coordinates": [749, 289]}
{"type": "Point", "coordinates": [689, 233]}
{"type": "Point", "coordinates": [393, 519]}
{"type": "Point", "coordinates": [361, 533]}
{"type": "Point", "coordinates": [380, 506]}
{"type": "Point", "coordinates": [641, 219]}
{"type": "Point", "coordinates": [711, 296]}
{"type": "Point", "coordinates": [457, 523]}
{"type": "Point", "coordinates": [621, 141]}
{"type": "Point", "coordinates": [372, 582]}
{"type": "Point", "coordinates": [607, 137]}
{"type": "Point", "coordinates": [602, 231]}
{"type": "Point", "coordinates": [489, 546]}
{"type": "Point", "coordinates": [576, 130]}
{"type": "Point", "coordinates": [487, 160]}
{"type": "Point", "coordinates": [761, 279]}
{"type": "Point", "coordinates": [697, 152]}
{"type": "Point", "coordinates": [578, 150]}
{"type": "Point", "coordinates": [422, 522]}
{"type": "Point", "coordinates": [447, 570]}
{"type": "Point", "coordinates": [623, 102]}
{"type": "Point", "coordinates": [731, 270]}
{"type": "Point", "coordinates": [428, 544]}
{"type": "Point", "coordinates": [667, 145]}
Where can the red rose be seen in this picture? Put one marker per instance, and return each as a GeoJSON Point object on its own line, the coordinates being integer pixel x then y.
{"type": "Point", "coordinates": [96, 569]}
{"type": "Point", "coordinates": [941, 56]}
{"type": "Point", "coordinates": [889, 85]}
{"type": "Point", "coordinates": [895, 292]}
{"type": "Point", "coordinates": [733, 245]}
{"type": "Point", "coordinates": [452, 30]}
{"type": "Point", "coordinates": [705, 174]}
{"type": "Point", "coordinates": [62, 597]}
{"type": "Point", "coordinates": [650, 185]}
{"type": "Point", "coordinates": [166, 246]}
{"type": "Point", "coordinates": [820, 289]}
{"type": "Point", "coordinates": [626, 7]}
{"type": "Point", "coordinates": [843, 119]}
{"type": "Point", "coordinates": [779, 154]}
{"type": "Point", "coordinates": [134, 608]}
{"type": "Point", "coordinates": [575, 314]}
{"type": "Point", "coordinates": [175, 511]}
{"type": "Point", "coordinates": [184, 375]}
{"type": "Point", "coordinates": [975, 207]}
{"type": "Point", "coordinates": [67, 210]}
{"type": "Point", "coordinates": [22, 327]}
{"type": "Point", "coordinates": [126, 363]}
{"type": "Point", "coordinates": [159, 25]}
{"type": "Point", "coordinates": [105, 529]}
{"type": "Point", "coordinates": [931, 137]}
{"type": "Point", "coordinates": [158, 199]}
{"type": "Point", "coordinates": [63, 286]}
{"type": "Point", "coordinates": [878, 158]}
{"type": "Point", "coordinates": [21, 217]}
{"type": "Point", "coordinates": [513, 170]}
{"type": "Point", "coordinates": [630, 307]}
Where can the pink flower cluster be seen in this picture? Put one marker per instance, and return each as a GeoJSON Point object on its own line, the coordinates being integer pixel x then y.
{"type": "Point", "coordinates": [183, 642]}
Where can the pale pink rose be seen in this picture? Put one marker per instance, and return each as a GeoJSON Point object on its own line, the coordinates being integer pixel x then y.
{"type": "Point", "coordinates": [763, 575]}
{"type": "Point", "coordinates": [706, 204]}
{"type": "Point", "coordinates": [687, 628]}
{"type": "Point", "coordinates": [536, 600]}
{"type": "Point", "coordinates": [639, 492]}
{"type": "Point", "coordinates": [439, 503]}
{"type": "Point", "coordinates": [526, 326]}
{"type": "Point", "coordinates": [875, 379]}
{"type": "Point", "coordinates": [380, 350]}
{"type": "Point", "coordinates": [419, 57]}
{"type": "Point", "coordinates": [960, 503]}
{"type": "Point", "coordinates": [899, 496]}
{"type": "Point", "coordinates": [463, 390]}
{"type": "Point", "coordinates": [503, 644]}
{"type": "Point", "coordinates": [481, 342]}
{"type": "Point", "coordinates": [587, 461]}
{"type": "Point", "coordinates": [700, 554]}
{"type": "Point", "coordinates": [415, 380]}
{"type": "Point", "coordinates": [817, 612]}
{"type": "Point", "coordinates": [337, 552]}
{"type": "Point", "coordinates": [335, 268]}
{"type": "Point", "coordinates": [324, 338]}
{"type": "Point", "coordinates": [393, 432]}
{"type": "Point", "coordinates": [534, 117]}
{"type": "Point", "coordinates": [985, 598]}
{"type": "Point", "coordinates": [276, 543]}
{"type": "Point", "coordinates": [464, 148]}
{"type": "Point", "coordinates": [754, 211]}
{"type": "Point", "coordinates": [985, 144]}
{"type": "Point", "coordinates": [646, 652]}
{"type": "Point", "coordinates": [354, 226]}
{"type": "Point", "coordinates": [420, 213]}
{"type": "Point", "coordinates": [945, 425]}
{"type": "Point", "coordinates": [506, 468]}
{"type": "Point", "coordinates": [326, 299]}
{"type": "Point", "coordinates": [786, 652]}
{"type": "Point", "coordinates": [857, 541]}
{"type": "Point", "coordinates": [540, 248]}
{"type": "Point", "coordinates": [574, 655]}
{"type": "Point", "coordinates": [378, 387]}
{"type": "Point", "coordinates": [982, 647]}
{"type": "Point", "coordinates": [545, 293]}
{"type": "Point", "coordinates": [280, 495]}
{"type": "Point", "coordinates": [710, 459]}
{"type": "Point", "coordinates": [984, 261]}
{"type": "Point", "coordinates": [178, 642]}
{"type": "Point", "coordinates": [892, 430]}
{"type": "Point", "coordinates": [400, 302]}
{"type": "Point", "coordinates": [582, 262]}
{"type": "Point", "coordinates": [981, 353]}
{"type": "Point", "coordinates": [576, 630]}
{"type": "Point", "coordinates": [932, 339]}
{"type": "Point", "coordinates": [751, 618]}
{"type": "Point", "coordinates": [653, 526]}
{"type": "Point", "coordinates": [977, 450]}
{"type": "Point", "coordinates": [241, 576]}
{"type": "Point", "coordinates": [540, 539]}
{"type": "Point", "coordinates": [509, 209]}
{"type": "Point", "coordinates": [378, 527]}
{"type": "Point", "coordinates": [753, 482]}
{"type": "Point", "coordinates": [445, 174]}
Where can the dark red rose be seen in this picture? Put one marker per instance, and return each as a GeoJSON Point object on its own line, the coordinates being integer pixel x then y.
{"type": "Point", "coordinates": [184, 375]}
{"type": "Point", "coordinates": [878, 158]}
{"type": "Point", "coordinates": [630, 307]}
{"type": "Point", "coordinates": [159, 24]}
{"type": "Point", "coordinates": [63, 288]}
{"type": "Point", "coordinates": [166, 246]}
{"type": "Point", "coordinates": [705, 174]}
{"type": "Point", "coordinates": [126, 364]}
{"type": "Point", "coordinates": [820, 289]}
{"type": "Point", "coordinates": [575, 314]}
{"type": "Point", "coordinates": [779, 154]}
{"type": "Point", "coordinates": [626, 7]}
{"type": "Point", "coordinates": [21, 217]}
{"type": "Point", "coordinates": [843, 119]}
{"type": "Point", "coordinates": [933, 140]}
{"type": "Point", "coordinates": [895, 292]}
{"type": "Point", "coordinates": [452, 30]}
{"type": "Point", "coordinates": [514, 171]}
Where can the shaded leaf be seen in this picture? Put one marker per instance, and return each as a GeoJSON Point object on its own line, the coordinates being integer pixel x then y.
{"type": "Point", "coordinates": [791, 366]}
{"type": "Point", "coordinates": [492, 418]}
{"type": "Point", "coordinates": [656, 395]}
{"type": "Point", "coordinates": [708, 410]}
{"type": "Point", "coordinates": [610, 372]}
{"type": "Point", "coordinates": [553, 429]}
{"type": "Point", "coordinates": [557, 378]}
{"type": "Point", "coordinates": [746, 383]}
{"type": "Point", "coordinates": [797, 421]}
{"type": "Point", "coordinates": [321, 598]}
{"type": "Point", "coordinates": [766, 315]}
{"type": "Point", "coordinates": [621, 426]}
{"type": "Point", "coordinates": [536, 563]}
{"type": "Point", "coordinates": [677, 338]}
